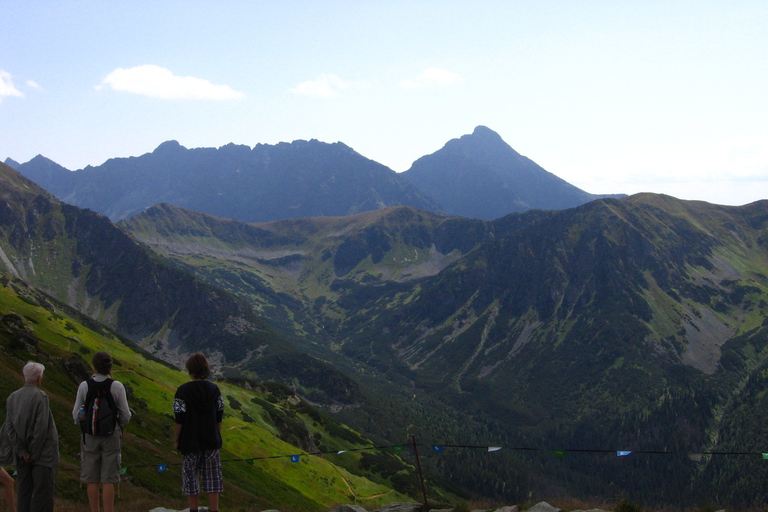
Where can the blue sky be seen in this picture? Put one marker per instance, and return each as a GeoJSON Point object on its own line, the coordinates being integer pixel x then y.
{"type": "Point", "coordinates": [614, 97]}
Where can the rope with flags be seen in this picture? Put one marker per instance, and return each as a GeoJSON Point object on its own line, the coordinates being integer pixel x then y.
{"type": "Point", "coordinates": [441, 448]}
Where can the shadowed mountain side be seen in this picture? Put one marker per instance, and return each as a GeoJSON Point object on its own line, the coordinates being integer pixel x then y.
{"type": "Point", "coordinates": [480, 176]}
{"type": "Point", "coordinates": [268, 182]}
{"type": "Point", "coordinates": [628, 323]}
{"type": "Point", "coordinates": [81, 258]}
{"type": "Point", "coordinates": [305, 275]}
{"type": "Point", "coordinates": [476, 176]}
{"type": "Point", "coordinates": [672, 277]}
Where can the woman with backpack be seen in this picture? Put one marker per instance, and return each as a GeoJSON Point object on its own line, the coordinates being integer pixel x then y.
{"type": "Point", "coordinates": [101, 407]}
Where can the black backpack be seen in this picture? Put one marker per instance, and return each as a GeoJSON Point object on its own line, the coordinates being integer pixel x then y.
{"type": "Point", "coordinates": [100, 411]}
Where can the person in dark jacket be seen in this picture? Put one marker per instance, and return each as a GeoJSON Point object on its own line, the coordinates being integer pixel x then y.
{"type": "Point", "coordinates": [198, 410]}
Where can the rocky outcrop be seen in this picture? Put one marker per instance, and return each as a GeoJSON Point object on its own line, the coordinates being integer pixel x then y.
{"type": "Point", "coordinates": [12, 326]}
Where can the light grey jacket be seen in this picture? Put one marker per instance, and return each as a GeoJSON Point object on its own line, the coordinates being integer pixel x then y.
{"type": "Point", "coordinates": [29, 427]}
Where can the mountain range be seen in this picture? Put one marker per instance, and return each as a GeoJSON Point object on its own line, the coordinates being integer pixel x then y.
{"type": "Point", "coordinates": [621, 325]}
{"type": "Point", "coordinates": [629, 324]}
{"type": "Point", "coordinates": [478, 175]}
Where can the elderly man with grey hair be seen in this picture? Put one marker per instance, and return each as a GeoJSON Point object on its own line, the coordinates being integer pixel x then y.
{"type": "Point", "coordinates": [30, 431]}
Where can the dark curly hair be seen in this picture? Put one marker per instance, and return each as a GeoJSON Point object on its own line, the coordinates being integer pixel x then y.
{"type": "Point", "coordinates": [197, 366]}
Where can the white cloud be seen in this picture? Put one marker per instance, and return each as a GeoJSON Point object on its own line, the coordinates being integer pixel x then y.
{"type": "Point", "coordinates": [432, 77]}
{"type": "Point", "coordinates": [157, 82]}
{"type": "Point", "coordinates": [33, 84]}
{"type": "Point", "coordinates": [6, 86]}
{"type": "Point", "coordinates": [326, 86]}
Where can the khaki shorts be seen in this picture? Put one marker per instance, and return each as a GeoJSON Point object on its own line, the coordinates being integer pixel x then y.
{"type": "Point", "coordinates": [100, 458]}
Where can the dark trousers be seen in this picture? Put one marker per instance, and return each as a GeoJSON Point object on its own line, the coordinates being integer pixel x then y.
{"type": "Point", "coordinates": [35, 487]}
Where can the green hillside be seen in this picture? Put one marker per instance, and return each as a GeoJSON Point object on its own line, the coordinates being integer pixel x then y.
{"type": "Point", "coordinates": [622, 325]}
{"type": "Point", "coordinates": [259, 473]}
{"type": "Point", "coordinates": [307, 276]}
{"type": "Point", "coordinates": [636, 323]}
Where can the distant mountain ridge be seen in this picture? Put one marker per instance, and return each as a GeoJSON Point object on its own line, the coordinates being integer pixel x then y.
{"type": "Point", "coordinates": [481, 176]}
{"type": "Point", "coordinates": [268, 182]}
{"type": "Point", "coordinates": [476, 176]}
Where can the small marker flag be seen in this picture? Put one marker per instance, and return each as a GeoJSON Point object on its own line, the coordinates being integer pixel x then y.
{"type": "Point", "coordinates": [123, 470]}
{"type": "Point", "coordinates": [249, 462]}
{"type": "Point", "coordinates": [765, 455]}
{"type": "Point", "coordinates": [398, 448]}
{"type": "Point", "coordinates": [494, 448]}
{"type": "Point", "coordinates": [437, 448]}
{"type": "Point", "coordinates": [695, 457]}
{"type": "Point", "coordinates": [341, 451]}
{"type": "Point", "coordinates": [622, 453]}
{"type": "Point", "coordinates": [295, 458]}
{"type": "Point", "coordinates": [162, 467]}
{"type": "Point", "coordinates": [559, 453]}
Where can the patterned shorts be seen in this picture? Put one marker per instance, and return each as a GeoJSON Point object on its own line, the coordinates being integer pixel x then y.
{"type": "Point", "coordinates": [207, 464]}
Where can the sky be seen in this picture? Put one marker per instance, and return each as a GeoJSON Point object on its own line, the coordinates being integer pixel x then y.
{"type": "Point", "coordinates": [614, 97]}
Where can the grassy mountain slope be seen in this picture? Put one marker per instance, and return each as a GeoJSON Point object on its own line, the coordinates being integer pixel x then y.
{"type": "Point", "coordinates": [266, 423]}
{"type": "Point", "coordinates": [305, 274]}
{"type": "Point", "coordinates": [81, 258]}
{"type": "Point", "coordinates": [597, 327]}
{"type": "Point", "coordinates": [622, 324]}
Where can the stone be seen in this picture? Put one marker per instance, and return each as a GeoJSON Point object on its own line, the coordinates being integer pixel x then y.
{"type": "Point", "coordinates": [349, 508]}
{"type": "Point", "coordinates": [543, 506]}
{"type": "Point", "coordinates": [401, 507]}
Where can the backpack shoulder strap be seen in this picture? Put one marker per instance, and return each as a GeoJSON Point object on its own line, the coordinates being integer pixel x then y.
{"type": "Point", "coordinates": [95, 386]}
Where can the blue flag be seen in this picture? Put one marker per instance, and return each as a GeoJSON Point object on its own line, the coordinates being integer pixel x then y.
{"type": "Point", "coordinates": [437, 448]}
{"type": "Point", "coordinates": [162, 467]}
{"type": "Point", "coordinates": [295, 458]}
{"type": "Point", "coordinates": [622, 453]}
